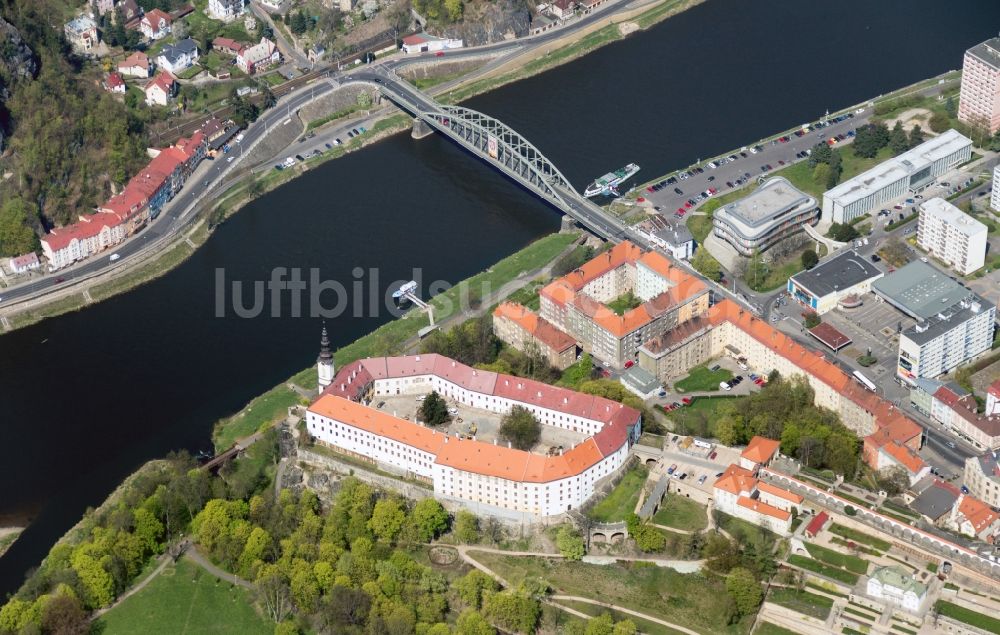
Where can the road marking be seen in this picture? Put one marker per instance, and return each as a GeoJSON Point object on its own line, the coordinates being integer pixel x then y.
{"type": "Point", "coordinates": [5, 322]}
{"type": "Point", "coordinates": [86, 296]}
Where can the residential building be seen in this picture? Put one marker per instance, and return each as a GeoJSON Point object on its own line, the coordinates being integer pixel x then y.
{"type": "Point", "coordinates": [178, 57]}
{"type": "Point", "coordinates": [822, 288]}
{"type": "Point", "coordinates": [995, 192]}
{"type": "Point", "coordinates": [979, 99]}
{"type": "Point", "coordinates": [922, 393]}
{"type": "Point", "coordinates": [424, 43]}
{"type": "Point", "coordinates": [523, 329]}
{"type": "Point", "coordinates": [155, 24]}
{"type": "Point", "coordinates": [954, 325]}
{"type": "Point", "coordinates": [135, 65]}
{"type": "Point", "coordinates": [739, 493]}
{"type": "Point", "coordinates": [771, 213]}
{"type": "Point", "coordinates": [227, 46]}
{"type": "Point", "coordinates": [258, 57]}
{"type": "Point", "coordinates": [93, 233]}
{"type": "Point", "coordinates": [982, 477]}
{"type": "Point", "coordinates": [911, 171]}
{"type": "Point", "coordinates": [974, 518]}
{"type": "Point", "coordinates": [563, 9]}
{"type": "Point", "coordinates": [317, 53]}
{"type": "Point", "coordinates": [115, 84]}
{"type": "Point", "coordinates": [957, 411]}
{"type": "Point", "coordinates": [951, 235]}
{"type": "Point", "coordinates": [81, 33]}
{"type": "Point", "coordinates": [226, 10]}
{"type": "Point", "coordinates": [896, 586]}
{"type": "Point", "coordinates": [678, 350]}
{"type": "Point", "coordinates": [577, 303]}
{"type": "Point", "coordinates": [672, 236]}
{"type": "Point", "coordinates": [759, 452]}
{"type": "Point", "coordinates": [993, 399]}
{"type": "Point", "coordinates": [24, 263]}
{"type": "Point", "coordinates": [161, 90]}
{"type": "Point", "coordinates": [898, 456]}
{"type": "Point", "coordinates": [131, 13]}
{"type": "Point", "coordinates": [936, 500]}
{"type": "Point", "coordinates": [468, 471]}
{"type": "Point", "coordinates": [103, 6]}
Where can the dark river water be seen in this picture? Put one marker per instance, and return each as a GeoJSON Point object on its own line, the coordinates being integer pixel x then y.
{"type": "Point", "coordinates": [87, 397]}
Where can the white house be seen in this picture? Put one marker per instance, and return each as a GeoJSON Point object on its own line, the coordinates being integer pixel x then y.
{"type": "Point", "coordinates": [894, 585]}
{"type": "Point", "coordinates": [738, 493]}
{"type": "Point", "coordinates": [24, 263]}
{"type": "Point", "coordinates": [258, 57]}
{"type": "Point", "coordinates": [161, 89]}
{"type": "Point", "coordinates": [423, 43]}
{"type": "Point", "coordinates": [178, 57]}
{"type": "Point", "coordinates": [155, 24]}
{"type": "Point", "coordinates": [135, 65]}
{"type": "Point", "coordinates": [65, 245]}
{"type": "Point", "coordinates": [974, 518]}
{"type": "Point", "coordinates": [81, 32]}
{"type": "Point", "coordinates": [225, 9]}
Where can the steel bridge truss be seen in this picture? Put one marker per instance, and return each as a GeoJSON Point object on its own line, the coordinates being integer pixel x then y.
{"type": "Point", "coordinates": [498, 143]}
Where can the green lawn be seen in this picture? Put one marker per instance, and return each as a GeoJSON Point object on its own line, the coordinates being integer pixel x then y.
{"type": "Point", "coordinates": [817, 606]}
{"type": "Point", "coordinates": [837, 559]}
{"type": "Point", "coordinates": [699, 418]}
{"type": "Point", "coordinates": [967, 616]}
{"type": "Point", "coordinates": [625, 302]}
{"type": "Point", "coordinates": [701, 379]}
{"type": "Point", "coordinates": [691, 600]}
{"type": "Point", "coordinates": [623, 498]}
{"type": "Point", "coordinates": [767, 628]}
{"type": "Point", "coordinates": [775, 275]}
{"type": "Point", "coordinates": [644, 626]}
{"type": "Point", "coordinates": [681, 513]}
{"type": "Point", "coordinates": [816, 566]}
{"type": "Point", "coordinates": [859, 537]}
{"type": "Point", "coordinates": [185, 599]}
{"type": "Point", "coordinates": [801, 175]}
{"type": "Point", "coordinates": [262, 411]}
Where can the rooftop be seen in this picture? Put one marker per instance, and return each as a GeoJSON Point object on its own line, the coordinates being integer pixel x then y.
{"type": "Point", "coordinates": [937, 500]}
{"type": "Point", "coordinates": [761, 449]}
{"type": "Point", "coordinates": [843, 271]}
{"type": "Point", "coordinates": [769, 202]}
{"type": "Point", "coordinates": [952, 216]}
{"type": "Point", "coordinates": [540, 328]}
{"type": "Point", "coordinates": [920, 290]}
{"type": "Point", "coordinates": [829, 335]}
{"type": "Point", "coordinates": [989, 465]}
{"type": "Point", "coordinates": [978, 513]}
{"type": "Point", "coordinates": [987, 52]}
{"type": "Point", "coordinates": [896, 577]}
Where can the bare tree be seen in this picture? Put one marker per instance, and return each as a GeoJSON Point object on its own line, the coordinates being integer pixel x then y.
{"type": "Point", "coordinates": [274, 595]}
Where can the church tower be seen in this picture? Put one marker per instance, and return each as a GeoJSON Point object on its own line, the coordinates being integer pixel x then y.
{"type": "Point", "coordinates": [324, 364]}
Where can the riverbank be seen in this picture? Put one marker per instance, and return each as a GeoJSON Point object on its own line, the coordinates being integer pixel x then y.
{"type": "Point", "coordinates": [7, 537]}
{"type": "Point", "coordinates": [574, 45]}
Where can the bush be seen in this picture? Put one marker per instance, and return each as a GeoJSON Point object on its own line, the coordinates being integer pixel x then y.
{"type": "Point", "coordinates": [850, 511]}
{"type": "Point", "coordinates": [809, 259]}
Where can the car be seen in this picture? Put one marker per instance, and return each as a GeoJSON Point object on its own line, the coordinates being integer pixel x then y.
{"type": "Point", "coordinates": [230, 159]}
{"type": "Point", "coordinates": [689, 204]}
{"type": "Point", "coordinates": [724, 385]}
{"type": "Point", "coordinates": [58, 280]}
{"type": "Point", "coordinates": [328, 146]}
{"type": "Point", "coordinates": [759, 381]}
{"type": "Point", "coordinates": [380, 404]}
{"type": "Point", "coordinates": [683, 476]}
{"type": "Point", "coordinates": [453, 411]}
{"type": "Point", "coordinates": [439, 54]}
{"type": "Point", "coordinates": [670, 470]}
{"type": "Point", "coordinates": [629, 364]}
{"type": "Point", "coordinates": [713, 455]}
{"type": "Point", "coordinates": [718, 475]}
{"type": "Point", "coordinates": [679, 191]}
{"type": "Point", "coordinates": [965, 490]}
{"type": "Point", "coordinates": [421, 397]}
{"type": "Point", "coordinates": [676, 405]}
{"type": "Point", "coordinates": [702, 478]}
{"type": "Point", "coordinates": [114, 257]}
{"type": "Point", "coordinates": [337, 141]}
{"type": "Point", "coordinates": [299, 157]}
{"type": "Point", "coordinates": [350, 134]}
{"type": "Point", "coordinates": [686, 401]}
{"type": "Point", "coordinates": [662, 393]}
{"type": "Point", "coordinates": [362, 129]}
{"type": "Point", "coordinates": [711, 178]}
{"type": "Point", "coordinates": [674, 438]}
{"type": "Point", "coordinates": [875, 258]}
{"type": "Point", "coordinates": [605, 373]}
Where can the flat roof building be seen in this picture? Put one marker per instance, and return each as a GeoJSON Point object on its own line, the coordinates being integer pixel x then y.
{"type": "Point", "coordinates": [911, 171]}
{"type": "Point", "coordinates": [979, 99]}
{"type": "Point", "coordinates": [953, 325]}
{"type": "Point", "coordinates": [952, 235]}
{"type": "Point", "coordinates": [826, 284]}
{"type": "Point", "coordinates": [773, 212]}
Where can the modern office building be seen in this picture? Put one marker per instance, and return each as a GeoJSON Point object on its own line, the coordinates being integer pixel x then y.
{"type": "Point", "coordinates": [979, 101]}
{"type": "Point", "coordinates": [995, 192]}
{"type": "Point", "coordinates": [951, 235]}
{"type": "Point", "coordinates": [493, 477]}
{"type": "Point", "coordinates": [578, 303]}
{"type": "Point", "coordinates": [954, 325]}
{"type": "Point", "coordinates": [771, 213]}
{"type": "Point", "coordinates": [845, 274]}
{"type": "Point", "coordinates": [982, 477]}
{"type": "Point", "coordinates": [909, 172]}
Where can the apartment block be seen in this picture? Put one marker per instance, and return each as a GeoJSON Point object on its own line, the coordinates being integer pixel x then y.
{"type": "Point", "coordinates": [951, 235]}
{"type": "Point", "coordinates": [979, 100]}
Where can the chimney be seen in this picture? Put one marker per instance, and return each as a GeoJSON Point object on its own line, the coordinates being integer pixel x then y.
{"type": "Point", "coordinates": [508, 445]}
{"type": "Point", "coordinates": [446, 438]}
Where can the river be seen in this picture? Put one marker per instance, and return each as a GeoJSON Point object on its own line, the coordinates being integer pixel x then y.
{"type": "Point", "coordinates": [89, 396]}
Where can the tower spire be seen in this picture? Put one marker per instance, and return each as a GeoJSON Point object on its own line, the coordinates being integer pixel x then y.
{"type": "Point", "coordinates": [324, 363]}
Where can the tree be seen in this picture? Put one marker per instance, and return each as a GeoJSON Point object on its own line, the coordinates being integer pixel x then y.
{"type": "Point", "coordinates": [757, 270]}
{"type": "Point", "coordinates": [472, 587]}
{"type": "Point", "coordinates": [809, 258]}
{"type": "Point", "coordinates": [470, 622]}
{"type": "Point", "coordinates": [625, 627]}
{"type": "Point", "coordinates": [520, 428]}
{"type": "Point", "coordinates": [603, 624]}
{"type": "Point", "coordinates": [898, 141]}
{"type": "Point", "coordinates": [811, 320]}
{"type": "Point", "coordinates": [869, 139]}
{"type": "Point", "coordinates": [387, 519]}
{"type": "Point", "coordinates": [836, 169]}
{"type": "Point", "coordinates": [454, 9]}
{"type": "Point", "coordinates": [273, 593]}
{"type": "Point", "coordinates": [512, 611]}
{"type": "Point", "coordinates": [434, 410]}
{"type": "Point", "coordinates": [939, 122]}
{"type": "Point", "coordinates": [466, 527]}
{"type": "Point", "coordinates": [62, 614]}
{"type": "Point", "coordinates": [570, 543]}
{"type": "Point", "coordinates": [916, 136]}
{"type": "Point", "coordinates": [820, 153]}
{"type": "Point", "coordinates": [842, 232]}
{"type": "Point", "coordinates": [706, 265]}
{"type": "Point", "coordinates": [299, 23]}
{"type": "Point", "coordinates": [893, 480]}
{"type": "Point", "coordinates": [821, 173]}
{"type": "Point", "coordinates": [429, 519]}
{"type": "Point", "coordinates": [16, 235]}
{"type": "Point", "coordinates": [745, 590]}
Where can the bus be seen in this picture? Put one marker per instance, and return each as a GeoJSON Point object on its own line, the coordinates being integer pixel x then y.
{"type": "Point", "coordinates": [864, 381]}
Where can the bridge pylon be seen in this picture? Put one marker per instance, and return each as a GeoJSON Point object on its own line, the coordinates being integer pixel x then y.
{"type": "Point", "coordinates": [421, 129]}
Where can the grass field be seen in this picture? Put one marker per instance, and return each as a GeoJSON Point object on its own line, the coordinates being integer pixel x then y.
{"type": "Point", "coordinates": [837, 559]}
{"type": "Point", "coordinates": [623, 498]}
{"type": "Point", "coordinates": [817, 606]}
{"type": "Point", "coordinates": [185, 599]}
{"type": "Point", "coordinates": [801, 175]}
{"type": "Point", "coordinates": [681, 513]}
{"type": "Point", "coordinates": [701, 379]}
{"type": "Point", "coordinates": [691, 600]}
{"type": "Point", "coordinates": [625, 302]}
{"type": "Point", "coordinates": [699, 417]}
{"type": "Point", "coordinates": [644, 626]}
{"type": "Point", "coordinates": [834, 573]}
{"type": "Point", "coordinates": [967, 616]}
{"type": "Point", "coordinates": [262, 411]}
{"type": "Point", "coordinates": [767, 628]}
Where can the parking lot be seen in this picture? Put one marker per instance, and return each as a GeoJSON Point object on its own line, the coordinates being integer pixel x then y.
{"type": "Point", "coordinates": [694, 466]}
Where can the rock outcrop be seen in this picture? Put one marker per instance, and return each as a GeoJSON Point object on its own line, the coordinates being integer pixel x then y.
{"type": "Point", "coordinates": [492, 22]}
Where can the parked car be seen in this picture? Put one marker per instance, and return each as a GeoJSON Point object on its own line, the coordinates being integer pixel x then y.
{"type": "Point", "coordinates": [670, 470]}
{"type": "Point", "coordinates": [713, 455]}
{"type": "Point", "coordinates": [686, 401]}
{"type": "Point", "coordinates": [629, 364]}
